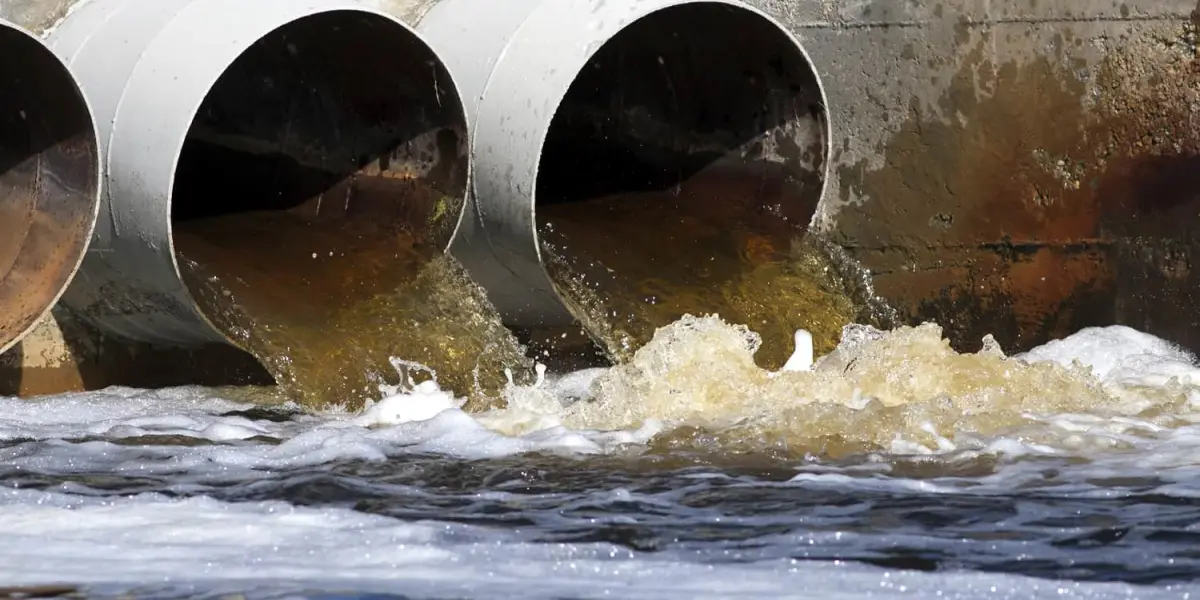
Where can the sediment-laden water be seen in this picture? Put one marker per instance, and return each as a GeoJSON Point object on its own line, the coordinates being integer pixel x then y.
{"type": "Point", "coordinates": [630, 263]}
{"type": "Point", "coordinates": [326, 305]}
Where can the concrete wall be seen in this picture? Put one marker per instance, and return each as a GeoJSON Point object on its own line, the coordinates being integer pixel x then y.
{"type": "Point", "coordinates": [1018, 167]}
{"type": "Point", "coordinates": [1022, 167]}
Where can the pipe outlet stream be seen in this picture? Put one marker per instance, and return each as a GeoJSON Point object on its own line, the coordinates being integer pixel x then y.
{"type": "Point", "coordinates": [49, 180]}
{"type": "Point", "coordinates": [635, 160]}
{"type": "Point", "coordinates": [291, 157]}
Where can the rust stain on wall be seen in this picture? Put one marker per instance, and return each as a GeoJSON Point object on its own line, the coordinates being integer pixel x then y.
{"type": "Point", "coordinates": [1034, 204]}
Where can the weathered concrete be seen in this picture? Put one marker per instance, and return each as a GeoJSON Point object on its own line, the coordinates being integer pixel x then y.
{"type": "Point", "coordinates": [1017, 168]}
{"type": "Point", "coordinates": [1021, 167]}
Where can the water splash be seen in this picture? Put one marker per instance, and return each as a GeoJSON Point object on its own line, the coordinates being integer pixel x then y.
{"type": "Point", "coordinates": [326, 313]}
{"type": "Point", "coordinates": [905, 391]}
{"type": "Point", "coordinates": [631, 263]}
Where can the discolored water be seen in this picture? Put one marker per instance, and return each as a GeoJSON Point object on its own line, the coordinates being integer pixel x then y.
{"type": "Point", "coordinates": [325, 305]}
{"type": "Point", "coordinates": [718, 244]}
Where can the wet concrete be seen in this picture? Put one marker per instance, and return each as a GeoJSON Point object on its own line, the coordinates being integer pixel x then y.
{"type": "Point", "coordinates": [1049, 194]}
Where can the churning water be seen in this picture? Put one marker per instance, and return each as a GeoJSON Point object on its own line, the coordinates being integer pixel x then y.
{"type": "Point", "coordinates": [308, 298]}
{"type": "Point", "coordinates": [892, 467]}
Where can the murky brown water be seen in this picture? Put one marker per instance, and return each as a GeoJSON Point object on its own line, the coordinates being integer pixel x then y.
{"type": "Point", "coordinates": [725, 243]}
{"type": "Point", "coordinates": [325, 305]}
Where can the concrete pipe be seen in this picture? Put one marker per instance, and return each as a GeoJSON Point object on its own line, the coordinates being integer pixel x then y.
{"type": "Point", "coordinates": [323, 122]}
{"type": "Point", "coordinates": [49, 180]}
{"type": "Point", "coordinates": [623, 137]}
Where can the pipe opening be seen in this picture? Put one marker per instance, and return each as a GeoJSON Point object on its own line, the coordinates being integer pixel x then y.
{"type": "Point", "coordinates": [323, 174]}
{"type": "Point", "coordinates": [49, 181]}
{"type": "Point", "coordinates": [680, 174]}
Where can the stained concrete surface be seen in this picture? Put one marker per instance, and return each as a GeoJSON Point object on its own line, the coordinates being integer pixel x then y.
{"type": "Point", "coordinates": [1019, 168]}
{"type": "Point", "coordinates": [1022, 168]}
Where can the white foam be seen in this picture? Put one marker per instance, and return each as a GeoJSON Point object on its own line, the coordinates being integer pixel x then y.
{"type": "Point", "coordinates": [1120, 354]}
{"type": "Point", "coordinates": [148, 542]}
{"type": "Point", "coordinates": [423, 403]}
{"type": "Point", "coordinates": [122, 412]}
{"type": "Point", "coordinates": [575, 386]}
{"type": "Point", "coordinates": [422, 420]}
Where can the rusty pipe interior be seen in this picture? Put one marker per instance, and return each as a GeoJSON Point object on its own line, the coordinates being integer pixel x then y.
{"type": "Point", "coordinates": [49, 181]}
{"type": "Point", "coordinates": [325, 169]}
{"type": "Point", "coordinates": [680, 175]}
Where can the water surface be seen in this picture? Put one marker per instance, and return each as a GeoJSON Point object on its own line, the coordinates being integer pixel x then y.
{"type": "Point", "coordinates": [893, 468]}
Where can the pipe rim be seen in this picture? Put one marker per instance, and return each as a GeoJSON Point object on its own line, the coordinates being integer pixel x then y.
{"type": "Point", "coordinates": [642, 9]}
{"type": "Point", "coordinates": [310, 9]}
{"type": "Point", "coordinates": [97, 182]}
{"type": "Point", "coordinates": [659, 7]}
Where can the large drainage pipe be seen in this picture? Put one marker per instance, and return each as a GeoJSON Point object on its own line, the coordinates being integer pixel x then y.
{"type": "Point", "coordinates": [324, 110]}
{"type": "Point", "coordinates": [49, 180]}
{"type": "Point", "coordinates": [281, 175]}
{"type": "Point", "coordinates": [635, 160]}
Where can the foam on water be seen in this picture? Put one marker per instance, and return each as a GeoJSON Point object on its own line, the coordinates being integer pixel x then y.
{"type": "Point", "coordinates": [159, 547]}
{"type": "Point", "coordinates": [122, 412]}
{"type": "Point", "coordinates": [1119, 401]}
{"type": "Point", "coordinates": [904, 391]}
{"type": "Point", "coordinates": [901, 392]}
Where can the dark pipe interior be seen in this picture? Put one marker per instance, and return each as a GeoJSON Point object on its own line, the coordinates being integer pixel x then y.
{"type": "Point", "coordinates": [326, 132]}
{"type": "Point", "coordinates": [326, 167]}
{"type": "Point", "coordinates": [677, 91]}
{"type": "Point", "coordinates": [48, 181]}
{"type": "Point", "coordinates": [697, 132]}
{"type": "Point", "coordinates": [331, 116]}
